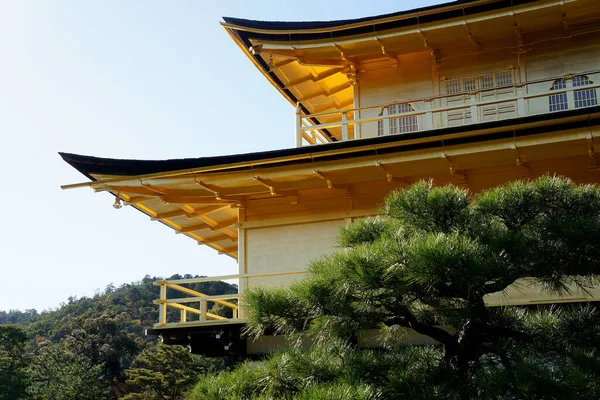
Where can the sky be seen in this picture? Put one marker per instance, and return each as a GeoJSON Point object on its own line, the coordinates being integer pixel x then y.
{"type": "Point", "coordinates": [124, 79]}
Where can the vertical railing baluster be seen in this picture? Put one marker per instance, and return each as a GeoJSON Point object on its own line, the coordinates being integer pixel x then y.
{"type": "Point", "coordinates": [474, 108]}
{"type": "Point", "coordinates": [203, 310]}
{"type": "Point", "coordinates": [520, 95]}
{"type": "Point", "coordinates": [182, 316]}
{"type": "Point", "coordinates": [570, 92]}
{"type": "Point", "coordinates": [345, 136]}
{"type": "Point", "coordinates": [428, 121]}
{"type": "Point", "coordinates": [386, 121]}
{"type": "Point", "coordinates": [298, 121]}
{"type": "Point", "coordinates": [162, 307]}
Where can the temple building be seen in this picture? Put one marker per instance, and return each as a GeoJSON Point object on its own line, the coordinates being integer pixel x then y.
{"type": "Point", "coordinates": [473, 92]}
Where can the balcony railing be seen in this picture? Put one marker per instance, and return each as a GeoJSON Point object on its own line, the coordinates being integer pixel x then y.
{"type": "Point", "coordinates": [499, 103]}
{"type": "Point", "coordinates": [195, 307]}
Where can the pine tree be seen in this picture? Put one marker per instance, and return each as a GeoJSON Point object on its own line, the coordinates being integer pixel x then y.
{"type": "Point", "coordinates": [431, 259]}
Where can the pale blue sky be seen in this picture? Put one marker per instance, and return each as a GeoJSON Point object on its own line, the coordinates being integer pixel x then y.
{"type": "Point", "coordinates": [124, 79]}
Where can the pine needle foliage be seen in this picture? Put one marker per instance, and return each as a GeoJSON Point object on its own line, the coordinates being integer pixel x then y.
{"type": "Point", "coordinates": [429, 259]}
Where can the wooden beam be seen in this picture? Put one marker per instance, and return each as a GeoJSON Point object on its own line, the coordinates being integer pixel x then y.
{"type": "Point", "coordinates": [228, 250]}
{"type": "Point", "coordinates": [136, 200]}
{"type": "Point", "coordinates": [193, 310]}
{"type": "Point", "coordinates": [192, 292]}
{"type": "Point", "coordinates": [330, 105]}
{"type": "Point", "coordinates": [387, 52]}
{"type": "Point", "coordinates": [326, 92]}
{"type": "Point", "coordinates": [169, 214]}
{"type": "Point", "coordinates": [208, 188]}
{"type": "Point", "coordinates": [281, 63]}
{"type": "Point", "coordinates": [198, 200]}
{"type": "Point", "coordinates": [195, 214]}
{"type": "Point", "coordinates": [322, 62]}
{"type": "Point", "coordinates": [214, 239]}
{"type": "Point", "coordinates": [314, 78]}
{"type": "Point", "coordinates": [266, 184]}
{"type": "Point", "coordinates": [388, 174]}
{"type": "Point", "coordinates": [195, 227]}
{"type": "Point", "coordinates": [130, 190]}
{"type": "Point", "coordinates": [210, 209]}
{"type": "Point", "coordinates": [201, 298]}
{"type": "Point", "coordinates": [224, 224]}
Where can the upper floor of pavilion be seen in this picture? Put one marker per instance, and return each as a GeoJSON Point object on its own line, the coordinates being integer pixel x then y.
{"type": "Point", "coordinates": [458, 63]}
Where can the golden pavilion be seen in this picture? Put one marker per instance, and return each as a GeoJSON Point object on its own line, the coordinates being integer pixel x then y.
{"type": "Point", "coordinates": [473, 92]}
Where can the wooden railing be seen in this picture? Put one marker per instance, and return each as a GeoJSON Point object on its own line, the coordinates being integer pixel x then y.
{"type": "Point", "coordinates": [194, 308]}
{"type": "Point", "coordinates": [520, 99]}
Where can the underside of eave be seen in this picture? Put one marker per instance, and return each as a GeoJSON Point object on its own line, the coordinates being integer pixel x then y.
{"type": "Point", "coordinates": [204, 206]}
{"type": "Point", "coordinates": [321, 73]}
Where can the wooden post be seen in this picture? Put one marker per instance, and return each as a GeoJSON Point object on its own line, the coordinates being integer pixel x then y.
{"type": "Point", "coordinates": [428, 122]}
{"type": "Point", "coordinates": [356, 105]}
{"type": "Point", "coordinates": [298, 121]}
{"type": "Point", "coordinates": [345, 137]}
{"type": "Point", "coordinates": [203, 310]}
{"type": "Point", "coordinates": [521, 106]}
{"type": "Point", "coordinates": [570, 93]}
{"type": "Point", "coordinates": [474, 108]}
{"type": "Point", "coordinates": [162, 307]}
{"type": "Point", "coordinates": [242, 264]}
{"type": "Point", "coordinates": [183, 316]}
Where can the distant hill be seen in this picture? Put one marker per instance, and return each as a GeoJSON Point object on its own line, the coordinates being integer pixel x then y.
{"type": "Point", "coordinates": [133, 301]}
{"type": "Point", "coordinates": [87, 344]}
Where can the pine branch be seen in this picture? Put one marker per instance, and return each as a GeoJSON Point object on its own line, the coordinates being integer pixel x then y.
{"type": "Point", "coordinates": [409, 320]}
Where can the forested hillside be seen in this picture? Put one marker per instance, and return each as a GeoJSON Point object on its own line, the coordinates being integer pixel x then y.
{"type": "Point", "coordinates": [82, 349]}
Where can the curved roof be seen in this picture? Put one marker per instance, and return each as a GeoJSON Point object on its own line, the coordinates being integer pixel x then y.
{"type": "Point", "coordinates": [200, 197]}
{"type": "Point", "coordinates": [307, 25]}
{"type": "Point", "coordinates": [320, 65]}
{"type": "Point", "coordinates": [95, 167]}
{"type": "Point", "coordinates": [300, 30]}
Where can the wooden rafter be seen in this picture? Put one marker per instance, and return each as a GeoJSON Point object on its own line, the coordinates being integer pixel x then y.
{"type": "Point", "coordinates": [332, 104]}
{"type": "Point", "coordinates": [314, 77]}
{"type": "Point", "coordinates": [326, 92]}
{"type": "Point", "coordinates": [215, 239]}
{"type": "Point", "coordinates": [229, 250]}
{"type": "Point", "coordinates": [195, 227]}
{"type": "Point", "coordinates": [198, 200]}
{"type": "Point", "coordinates": [224, 224]}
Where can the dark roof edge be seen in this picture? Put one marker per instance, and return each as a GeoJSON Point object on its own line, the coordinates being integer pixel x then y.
{"type": "Point", "coordinates": [315, 30]}
{"type": "Point", "coordinates": [89, 165]}
{"type": "Point", "coordinates": [307, 25]}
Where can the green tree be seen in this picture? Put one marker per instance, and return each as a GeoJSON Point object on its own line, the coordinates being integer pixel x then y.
{"type": "Point", "coordinates": [430, 260]}
{"type": "Point", "coordinates": [166, 373]}
{"type": "Point", "coordinates": [58, 373]}
{"type": "Point", "coordinates": [13, 378]}
{"type": "Point", "coordinates": [106, 342]}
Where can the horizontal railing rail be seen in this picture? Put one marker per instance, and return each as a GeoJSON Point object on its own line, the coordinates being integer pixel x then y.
{"type": "Point", "coordinates": [518, 98]}
{"type": "Point", "coordinates": [232, 302]}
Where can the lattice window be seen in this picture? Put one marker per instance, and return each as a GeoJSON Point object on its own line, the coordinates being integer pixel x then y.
{"type": "Point", "coordinates": [504, 79]}
{"type": "Point", "coordinates": [487, 81]}
{"type": "Point", "coordinates": [469, 85]}
{"type": "Point", "coordinates": [581, 80]}
{"type": "Point", "coordinates": [402, 124]}
{"type": "Point", "coordinates": [558, 102]}
{"type": "Point", "coordinates": [585, 97]}
{"type": "Point", "coordinates": [453, 86]}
